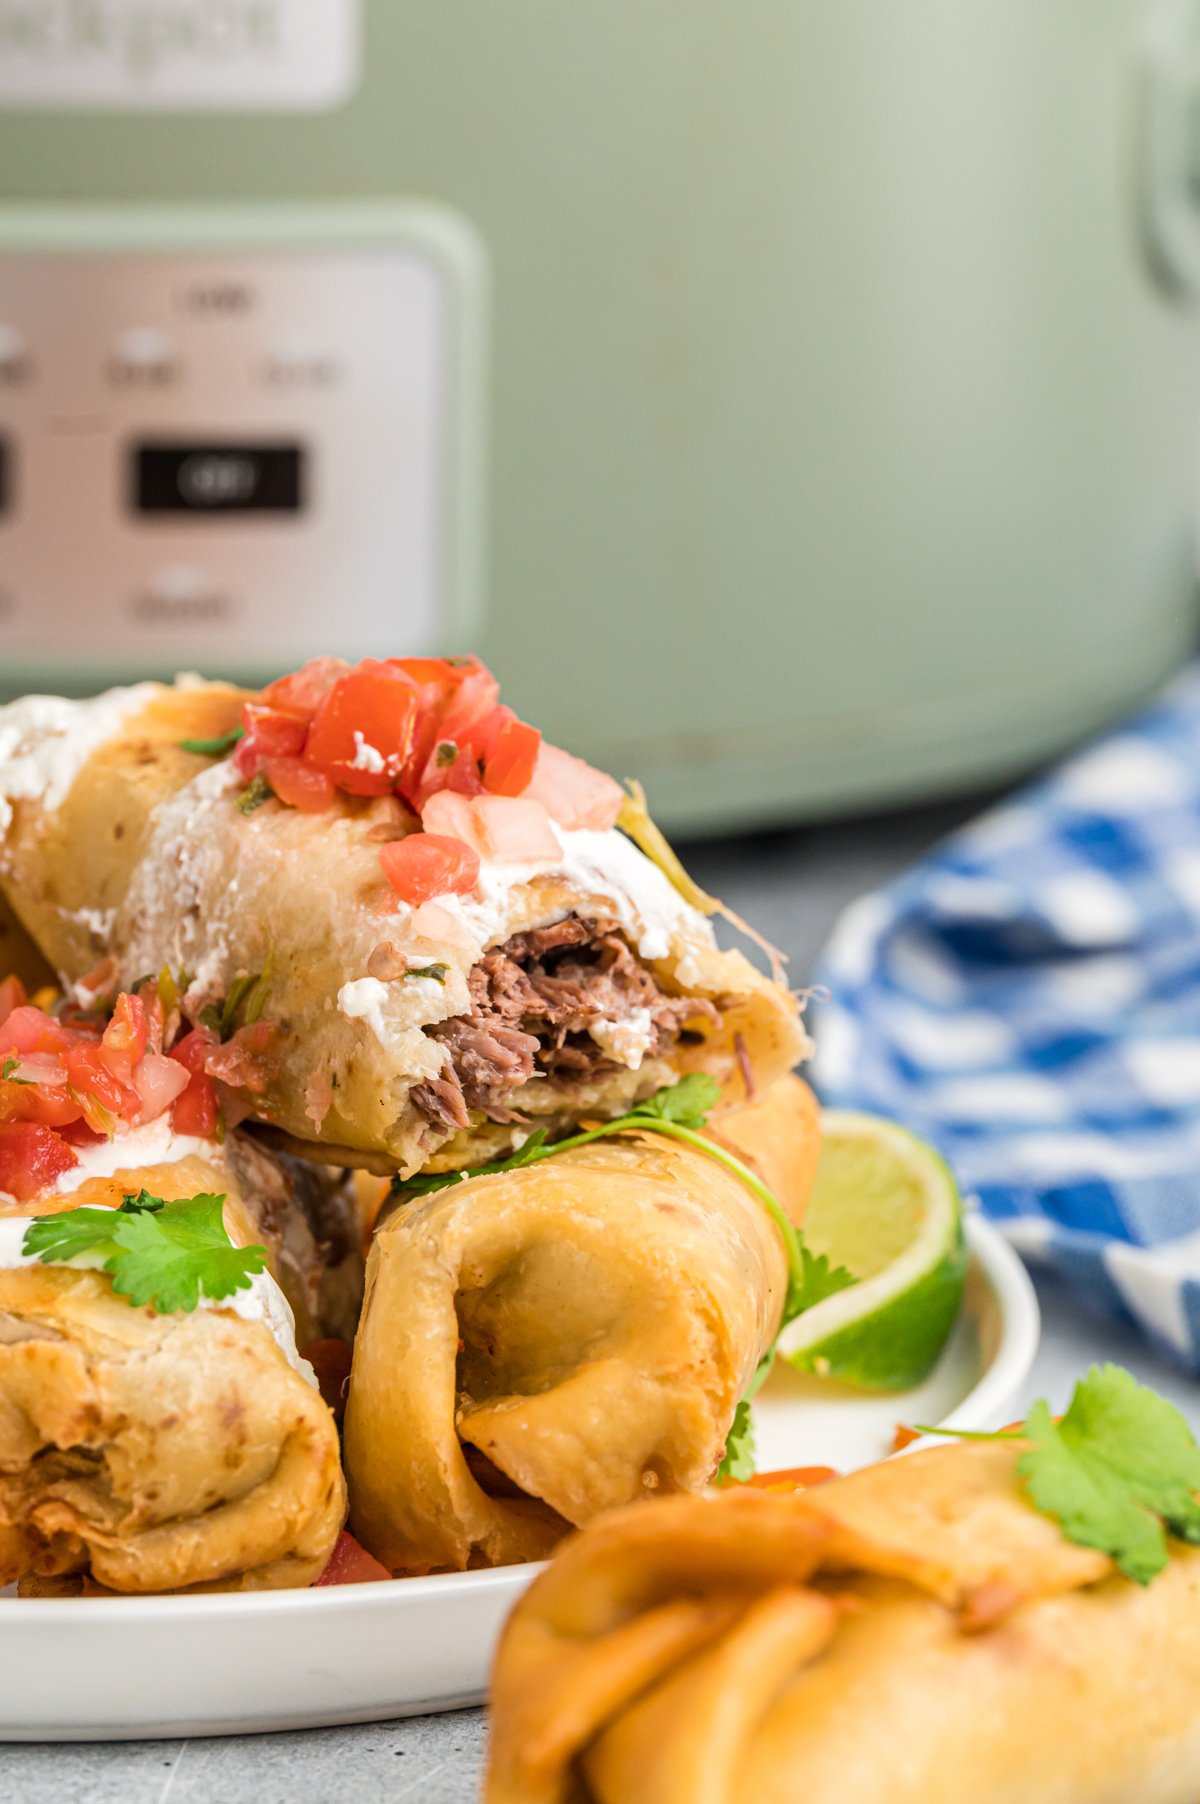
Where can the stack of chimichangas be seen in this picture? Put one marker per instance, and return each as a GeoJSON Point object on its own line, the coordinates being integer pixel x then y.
{"type": "Point", "coordinates": [259, 946]}
{"type": "Point", "coordinates": [364, 921]}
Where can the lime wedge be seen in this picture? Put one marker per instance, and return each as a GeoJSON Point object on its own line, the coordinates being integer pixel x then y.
{"type": "Point", "coordinates": [885, 1206]}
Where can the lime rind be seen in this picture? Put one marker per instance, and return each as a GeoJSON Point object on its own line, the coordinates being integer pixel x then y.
{"type": "Point", "coordinates": [887, 1332]}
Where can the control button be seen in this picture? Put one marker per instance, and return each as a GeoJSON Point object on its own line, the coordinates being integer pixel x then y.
{"type": "Point", "coordinates": [143, 357]}
{"type": "Point", "coordinates": [300, 363]}
{"type": "Point", "coordinates": [218, 297]}
{"type": "Point", "coordinates": [14, 358]}
{"type": "Point", "coordinates": [6, 469]}
{"type": "Point", "coordinates": [180, 595]}
{"type": "Point", "coordinates": [218, 479]}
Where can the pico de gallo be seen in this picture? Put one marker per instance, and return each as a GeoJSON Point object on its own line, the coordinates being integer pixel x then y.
{"type": "Point", "coordinates": [433, 732]}
{"type": "Point", "coordinates": [73, 1077]}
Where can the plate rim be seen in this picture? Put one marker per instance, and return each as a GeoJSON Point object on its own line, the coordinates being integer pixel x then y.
{"type": "Point", "coordinates": [1020, 1325]}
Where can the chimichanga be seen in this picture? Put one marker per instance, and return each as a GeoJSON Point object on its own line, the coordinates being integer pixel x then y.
{"type": "Point", "coordinates": [916, 1633]}
{"type": "Point", "coordinates": [544, 1343]}
{"type": "Point", "coordinates": [151, 1451]}
{"type": "Point", "coordinates": [562, 976]}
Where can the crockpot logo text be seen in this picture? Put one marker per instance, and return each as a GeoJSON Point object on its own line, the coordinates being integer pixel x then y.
{"type": "Point", "coordinates": [140, 38]}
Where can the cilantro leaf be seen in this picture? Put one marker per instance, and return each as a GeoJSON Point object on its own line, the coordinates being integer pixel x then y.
{"type": "Point", "coordinates": [1120, 1464]}
{"type": "Point", "coordinates": [167, 1257]}
{"type": "Point", "coordinates": [818, 1280]}
{"type": "Point", "coordinates": [738, 1463]}
{"type": "Point", "coordinates": [135, 1205]}
{"type": "Point", "coordinates": [689, 1103]}
{"type": "Point", "coordinates": [55, 1238]}
{"type": "Point", "coordinates": [213, 748]}
{"type": "Point", "coordinates": [164, 1254]}
{"type": "Point", "coordinates": [1117, 1469]}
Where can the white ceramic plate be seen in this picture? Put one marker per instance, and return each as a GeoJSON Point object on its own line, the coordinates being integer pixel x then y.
{"type": "Point", "coordinates": [115, 1668]}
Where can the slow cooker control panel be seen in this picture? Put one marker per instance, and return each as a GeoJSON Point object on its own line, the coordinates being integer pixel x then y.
{"type": "Point", "coordinates": [229, 460]}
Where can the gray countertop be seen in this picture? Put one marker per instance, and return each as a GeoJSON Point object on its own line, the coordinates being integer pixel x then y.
{"type": "Point", "coordinates": [792, 887]}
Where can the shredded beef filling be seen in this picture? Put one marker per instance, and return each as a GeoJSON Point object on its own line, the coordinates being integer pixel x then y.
{"type": "Point", "coordinates": [533, 1002]}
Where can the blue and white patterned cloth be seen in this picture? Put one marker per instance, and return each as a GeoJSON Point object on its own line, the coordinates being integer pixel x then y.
{"type": "Point", "coordinates": [1028, 999]}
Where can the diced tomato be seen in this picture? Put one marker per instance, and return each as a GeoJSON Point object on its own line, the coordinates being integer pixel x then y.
{"type": "Point", "coordinates": [458, 695]}
{"type": "Point", "coordinates": [27, 1029]}
{"type": "Point", "coordinates": [151, 1001]}
{"type": "Point", "coordinates": [449, 767]}
{"type": "Point", "coordinates": [484, 736]}
{"type": "Point", "coordinates": [276, 733]}
{"type": "Point", "coordinates": [127, 1032]}
{"type": "Point", "coordinates": [245, 1062]}
{"type": "Point", "coordinates": [193, 1050]}
{"type": "Point", "coordinates": [442, 674]}
{"type": "Point", "coordinates": [300, 785]}
{"type": "Point", "coordinates": [469, 705]}
{"type": "Point", "coordinates": [36, 1097]}
{"type": "Point", "coordinates": [84, 1080]}
{"type": "Point", "coordinates": [423, 865]}
{"type": "Point", "coordinates": [269, 734]}
{"type": "Point", "coordinates": [575, 795]}
{"type": "Point", "coordinates": [351, 1564]}
{"type": "Point", "coordinates": [303, 691]}
{"type": "Point", "coordinates": [362, 734]}
{"type": "Point", "coordinates": [331, 1360]}
{"type": "Point", "coordinates": [511, 758]}
{"type": "Point", "coordinates": [792, 1478]}
{"type": "Point", "coordinates": [78, 1133]}
{"type": "Point", "coordinates": [32, 1158]}
{"type": "Point", "coordinates": [194, 1110]}
{"type": "Point", "coordinates": [413, 726]}
{"type": "Point", "coordinates": [440, 681]}
{"type": "Point", "coordinates": [434, 680]}
{"type": "Point", "coordinates": [12, 995]}
{"type": "Point", "coordinates": [104, 1095]}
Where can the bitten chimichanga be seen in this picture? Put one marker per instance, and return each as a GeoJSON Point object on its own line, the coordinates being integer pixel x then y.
{"type": "Point", "coordinates": [448, 933]}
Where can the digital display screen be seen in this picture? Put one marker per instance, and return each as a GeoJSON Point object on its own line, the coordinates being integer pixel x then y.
{"type": "Point", "coordinates": [218, 479]}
